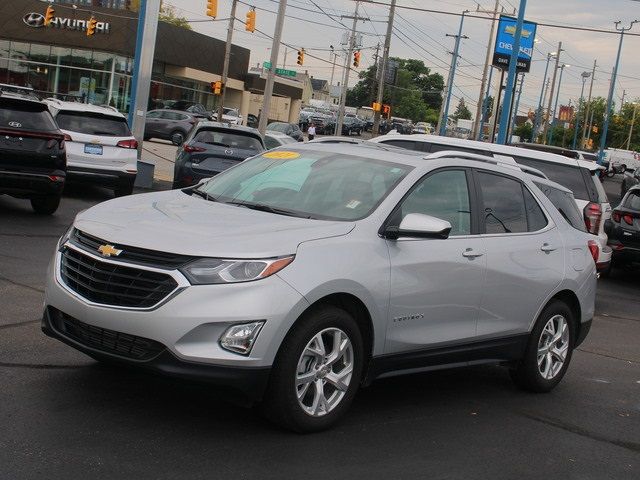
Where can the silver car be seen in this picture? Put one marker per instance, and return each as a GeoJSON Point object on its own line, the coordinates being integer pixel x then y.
{"type": "Point", "coordinates": [308, 271]}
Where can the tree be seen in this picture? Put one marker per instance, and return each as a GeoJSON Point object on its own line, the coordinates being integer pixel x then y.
{"type": "Point", "coordinates": [523, 131]}
{"type": "Point", "coordinates": [168, 14]}
{"type": "Point", "coordinates": [462, 112]}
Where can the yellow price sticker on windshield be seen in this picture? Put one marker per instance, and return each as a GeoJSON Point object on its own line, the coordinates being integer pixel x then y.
{"type": "Point", "coordinates": [281, 155]}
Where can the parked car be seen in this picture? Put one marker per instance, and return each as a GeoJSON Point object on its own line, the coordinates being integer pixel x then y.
{"type": "Point", "coordinates": [579, 176]}
{"type": "Point", "coordinates": [301, 274]}
{"type": "Point", "coordinates": [625, 159]}
{"type": "Point", "coordinates": [624, 229]}
{"type": "Point", "coordinates": [252, 121]}
{"type": "Point", "coordinates": [172, 125]}
{"type": "Point", "coordinates": [229, 115]}
{"type": "Point", "coordinates": [351, 126]}
{"type": "Point", "coordinates": [196, 109]}
{"type": "Point", "coordinates": [276, 139]}
{"type": "Point", "coordinates": [290, 129]}
{"type": "Point", "coordinates": [100, 147]}
{"type": "Point", "coordinates": [211, 148]}
{"type": "Point", "coordinates": [33, 157]}
{"type": "Point", "coordinates": [629, 180]}
{"type": "Point", "coordinates": [305, 114]}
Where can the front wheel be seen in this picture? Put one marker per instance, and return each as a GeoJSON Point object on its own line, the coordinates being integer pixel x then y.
{"type": "Point", "coordinates": [45, 205]}
{"type": "Point", "coordinates": [317, 371]}
{"type": "Point", "coordinates": [548, 350]}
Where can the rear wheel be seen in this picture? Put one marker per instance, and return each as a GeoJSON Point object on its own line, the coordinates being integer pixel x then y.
{"type": "Point", "coordinates": [124, 190]}
{"type": "Point", "coordinates": [317, 371]}
{"type": "Point", "coordinates": [548, 351]}
{"type": "Point", "coordinates": [45, 205]}
{"type": "Point", "coordinates": [177, 137]}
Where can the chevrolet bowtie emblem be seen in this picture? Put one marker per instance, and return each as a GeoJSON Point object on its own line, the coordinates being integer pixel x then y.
{"type": "Point", "coordinates": [109, 250]}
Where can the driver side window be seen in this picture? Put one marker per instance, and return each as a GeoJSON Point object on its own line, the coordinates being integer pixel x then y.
{"type": "Point", "coordinates": [444, 195]}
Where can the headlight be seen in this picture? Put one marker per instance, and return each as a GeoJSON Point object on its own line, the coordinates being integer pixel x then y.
{"type": "Point", "coordinates": [240, 338]}
{"type": "Point", "coordinates": [65, 236]}
{"type": "Point", "coordinates": [207, 271]}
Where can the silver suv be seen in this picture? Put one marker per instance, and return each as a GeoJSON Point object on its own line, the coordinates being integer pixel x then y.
{"type": "Point", "coordinates": [308, 271]}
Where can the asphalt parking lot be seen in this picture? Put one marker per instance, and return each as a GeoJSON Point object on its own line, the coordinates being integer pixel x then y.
{"type": "Point", "coordinates": [62, 415]}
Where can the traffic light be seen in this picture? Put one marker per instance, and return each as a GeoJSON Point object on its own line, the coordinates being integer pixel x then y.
{"type": "Point", "coordinates": [216, 87]}
{"type": "Point", "coordinates": [386, 111]}
{"type": "Point", "coordinates": [300, 57]}
{"type": "Point", "coordinates": [212, 8]}
{"type": "Point", "coordinates": [91, 26]}
{"type": "Point", "coordinates": [376, 106]}
{"type": "Point", "coordinates": [356, 58]}
{"type": "Point", "coordinates": [250, 24]}
{"type": "Point", "coordinates": [49, 15]}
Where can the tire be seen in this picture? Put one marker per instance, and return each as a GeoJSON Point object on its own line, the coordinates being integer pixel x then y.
{"type": "Point", "coordinates": [606, 273]}
{"type": "Point", "coordinates": [295, 361]}
{"type": "Point", "coordinates": [527, 372]}
{"type": "Point", "coordinates": [146, 138]}
{"type": "Point", "coordinates": [45, 205]}
{"type": "Point", "coordinates": [124, 190]}
{"type": "Point", "coordinates": [177, 132]}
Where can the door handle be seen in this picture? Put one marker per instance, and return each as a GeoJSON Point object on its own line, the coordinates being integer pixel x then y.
{"type": "Point", "coordinates": [547, 248]}
{"type": "Point", "coordinates": [470, 253]}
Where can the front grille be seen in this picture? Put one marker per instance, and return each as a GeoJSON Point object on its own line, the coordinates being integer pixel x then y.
{"type": "Point", "coordinates": [112, 284]}
{"type": "Point", "coordinates": [129, 254]}
{"type": "Point", "coordinates": [108, 341]}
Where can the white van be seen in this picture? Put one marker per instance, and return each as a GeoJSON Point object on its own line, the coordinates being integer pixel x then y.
{"type": "Point", "coordinates": [628, 159]}
{"type": "Point", "coordinates": [580, 176]}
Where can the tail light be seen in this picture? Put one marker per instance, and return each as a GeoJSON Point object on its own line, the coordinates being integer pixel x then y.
{"type": "Point", "coordinates": [67, 138]}
{"type": "Point", "coordinates": [593, 248]}
{"type": "Point", "coordinates": [56, 178]}
{"type": "Point", "coordinates": [628, 219]}
{"type": "Point", "coordinates": [132, 144]}
{"type": "Point", "coordinates": [592, 217]}
{"type": "Point", "coordinates": [191, 149]}
{"type": "Point", "coordinates": [616, 216]}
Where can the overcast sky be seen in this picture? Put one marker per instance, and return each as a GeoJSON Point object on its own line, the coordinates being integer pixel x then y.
{"type": "Point", "coordinates": [423, 36]}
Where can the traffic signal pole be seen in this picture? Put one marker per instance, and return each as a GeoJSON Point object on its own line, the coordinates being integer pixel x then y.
{"type": "Point", "coordinates": [227, 58]}
{"type": "Point", "coordinates": [142, 66]}
{"type": "Point", "coordinates": [382, 66]}
{"type": "Point", "coordinates": [275, 50]}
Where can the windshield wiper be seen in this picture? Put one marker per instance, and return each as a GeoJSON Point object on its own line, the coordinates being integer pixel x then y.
{"type": "Point", "coordinates": [203, 194]}
{"type": "Point", "coordinates": [268, 208]}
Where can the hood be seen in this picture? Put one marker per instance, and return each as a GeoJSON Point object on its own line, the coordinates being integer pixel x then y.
{"type": "Point", "coordinates": [176, 222]}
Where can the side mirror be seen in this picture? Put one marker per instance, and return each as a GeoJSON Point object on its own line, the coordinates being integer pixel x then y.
{"type": "Point", "coordinates": [417, 225]}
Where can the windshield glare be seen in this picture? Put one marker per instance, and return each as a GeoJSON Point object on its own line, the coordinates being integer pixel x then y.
{"type": "Point", "coordinates": [315, 184]}
{"type": "Point", "coordinates": [228, 139]}
{"type": "Point", "coordinates": [93, 124]}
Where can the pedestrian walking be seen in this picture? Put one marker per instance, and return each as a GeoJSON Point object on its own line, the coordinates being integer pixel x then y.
{"type": "Point", "coordinates": [311, 132]}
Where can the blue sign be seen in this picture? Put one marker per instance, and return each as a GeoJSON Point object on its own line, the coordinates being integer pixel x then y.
{"type": "Point", "coordinates": [505, 40]}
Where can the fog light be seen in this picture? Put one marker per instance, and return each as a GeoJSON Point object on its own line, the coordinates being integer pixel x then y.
{"type": "Point", "coordinates": [240, 338]}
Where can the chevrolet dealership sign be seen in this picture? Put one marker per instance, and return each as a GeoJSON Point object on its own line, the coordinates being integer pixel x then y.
{"type": "Point", "coordinates": [36, 20]}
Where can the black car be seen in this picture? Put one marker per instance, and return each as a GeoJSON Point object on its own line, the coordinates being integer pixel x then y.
{"type": "Point", "coordinates": [33, 158]}
{"type": "Point", "coordinates": [211, 148]}
{"type": "Point", "coordinates": [629, 180]}
{"type": "Point", "coordinates": [624, 229]}
{"type": "Point", "coordinates": [291, 129]}
{"type": "Point", "coordinates": [252, 121]}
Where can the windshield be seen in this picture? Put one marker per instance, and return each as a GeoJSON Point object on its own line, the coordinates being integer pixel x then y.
{"type": "Point", "coordinates": [311, 184]}
{"type": "Point", "coordinates": [25, 116]}
{"type": "Point", "coordinates": [93, 124]}
{"type": "Point", "coordinates": [228, 139]}
{"type": "Point", "coordinates": [278, 127]}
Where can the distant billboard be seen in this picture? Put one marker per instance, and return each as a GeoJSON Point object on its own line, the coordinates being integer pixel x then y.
{"type": "Point", "coordinates": [506, 39]}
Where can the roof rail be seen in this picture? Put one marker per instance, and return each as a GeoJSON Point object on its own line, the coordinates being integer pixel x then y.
{"type": "Point", "coordinates": [483, 158]}
{"type": "Point", "coordinates": [53, 99]}
{"type": "Point", "coordinates": [110, 107]}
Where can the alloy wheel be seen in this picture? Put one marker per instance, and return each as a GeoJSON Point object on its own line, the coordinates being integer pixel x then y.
{"type": "Point", "coordinates": [553, 347]}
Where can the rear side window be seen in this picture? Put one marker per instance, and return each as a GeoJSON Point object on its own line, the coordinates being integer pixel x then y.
{"type": "Point", "coordinates": [503, 203]}
{"type": "Point", "coordinates": [441, 148]}
{"type": "Point", "coordinates": [633, 200]}
{"type": "Point", "coordinates": [93, 124]}
{"type": "Point", "coordinates": [602, 195]}
{"type": "Point", "coordinates": [568, 176]}
{"type": "Point", "coordinates": [228, 139]}
{"type": "Point", "coordinates": [407, 144]}
{"type": "Point", "coordinates": [565, 204]}
{"type": "Point", "coordinates": [25, 116]}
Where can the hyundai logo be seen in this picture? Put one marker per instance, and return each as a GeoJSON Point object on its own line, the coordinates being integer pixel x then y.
{"type": "Point", "coordinates": [15, 124]}
{"type": "Point", "coordinates": [35, 20]}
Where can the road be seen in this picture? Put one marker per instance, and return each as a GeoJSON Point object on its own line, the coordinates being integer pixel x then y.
{"type": "Point", "coordinates": [62, 415]}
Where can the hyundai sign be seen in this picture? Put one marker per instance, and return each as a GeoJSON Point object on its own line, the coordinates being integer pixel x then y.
{"type": "Point", "coordinates": [505, 40]}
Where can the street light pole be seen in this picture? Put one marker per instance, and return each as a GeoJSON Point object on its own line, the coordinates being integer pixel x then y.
{"type": "Point", "coordinates": [553, 87]}
{"type": "Point", "coordinates": [584, 75]}
{"type": "Point", "coordinates": [452, 74]}
{"type": "Point", "coordinates": [485, 106]}
{"type": "Point", "coordinates": [633, 121]}
{"type": "Point", "coordinates": [382, 66]}
{"type": "Point", "coordinates": [539, 110]}
{"type": "Point", "coordinates": [555, 105]}
{"type": "Point", "coordinates": [586, 112]}
{"type": "Point", "coordinates": [612, 88]}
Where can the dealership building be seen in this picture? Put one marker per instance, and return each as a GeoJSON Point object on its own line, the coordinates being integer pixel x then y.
{"type": "Point", "coordinates": [61, 60]}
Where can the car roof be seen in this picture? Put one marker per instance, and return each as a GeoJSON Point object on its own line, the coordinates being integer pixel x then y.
{"type": "Point", "coordinates": [274, 134]}
{"type": "Point", "coordinates": [25, 97]}
{"type": "Point", "coordinates": [83, 107]}
{"type": "Point", "coordinates": [181, 112]}
{"type": "Point", "coordinates": [227, 126]}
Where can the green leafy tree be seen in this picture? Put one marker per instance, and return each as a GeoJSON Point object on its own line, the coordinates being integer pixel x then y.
{"type": "Point", "coordinates": [523, 131]}
{"type": "Point", "coordinates": [168, 14]}
{"type": "Point", "coordinates": [462, 112]}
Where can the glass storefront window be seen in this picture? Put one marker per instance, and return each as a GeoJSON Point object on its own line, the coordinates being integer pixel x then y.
{"type": "Point", "coordinates": [81, 58]}
{"type": "Point", "coordinates": [61, 56]}
{"type": "Point", "coordinates": [102, 61]}
{"type": "Point", "coordinates": [40, 53]}
{"type": "Point", "coordinates": [20, 50]}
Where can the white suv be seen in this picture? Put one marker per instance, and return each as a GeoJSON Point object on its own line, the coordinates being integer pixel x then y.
{"type": "Point", "coordinates": [579, 176]}
{"type": "Point", "coordinates": [100, 147]}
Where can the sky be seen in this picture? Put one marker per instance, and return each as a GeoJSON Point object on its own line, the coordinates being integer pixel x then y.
{"type": "Point", "coordinates": [422, 35]}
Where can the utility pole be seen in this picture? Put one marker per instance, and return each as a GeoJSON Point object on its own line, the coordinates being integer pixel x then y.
{"type": "Point", "coordinates": [624, 95]}
{"type": "Point", "coordinates": [564, 130]}
{"type": "Point", "coordinates": [553, 87]}
{"type": "Point", "coordinates": [333, 57]}
{"type": "Point", "coordinates": [142, 66]}
{"type": "Point", "coordinates": [478, 122]}
{"type": "Point", "coordinates": [485, 106]}
{"type": "Point", "coordinates": [347, 68]}
{"type": "Point", "coordinates": [586, 113]}
{"type": "Point", "coordinates": [227, 59]}
{"type": "Point", "coordinates": [633, 121]}
{"type": "Point", "coordinates": [382, 67]}
{"type": "Point", "coordinates": [584, 75]}
{"type": "Point", "coordinates": [536, 124]}
{"type": "Point", "coordinates": [511, 78]}
{"type": "Point", "coordinates": [268, 87]}
{"type": "Point", "coordinates": [555, 106]}
{"type": "Point", "coordinates": [612, 88]}
{"type": "Point", "coordinates": [515, 108]}
{"type": "Point", "coordinates": [452, 73]}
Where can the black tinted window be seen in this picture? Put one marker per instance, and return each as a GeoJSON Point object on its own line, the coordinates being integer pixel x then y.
{"type": "Point", "coordinates": [566, 175]}
{"type": "Point", "coordinates": [632, 201]}
{"type": "Point", "coordinates": [602, 195]}
{"type": "Point", "coordinates": [535, 215]}
{"type": "Point", "coordinates": [25, 116]}
{"type": "Point", "coordinates": [408, 144]}
{"type": "Point", "coordinates": [503, 203]}
{"type": "Point", "coordinates": [270, 142]}
{"type": "Point", "coordinates": [228, 139]}
{"type": "Point", "coordinates": [435, 147]}
{"type": "Point", "coordinates": [93, 124]}
{"type": "Point", "coordinates": [566, 205]}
